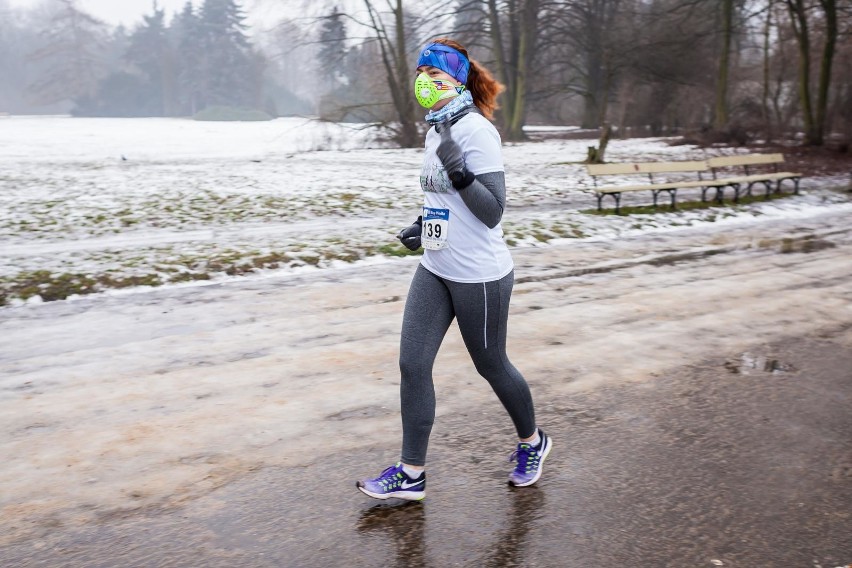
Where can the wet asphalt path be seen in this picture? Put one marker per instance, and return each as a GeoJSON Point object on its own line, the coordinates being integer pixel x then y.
{"type": "Point", "coordinates": [732, 461]}
{"type": "Point", "coordinates": [697, 385]}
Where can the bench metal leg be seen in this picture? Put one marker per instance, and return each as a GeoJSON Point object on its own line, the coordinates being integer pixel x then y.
{"type": "Point", "coordinates": [614, 195]}
{"type": "Point", "coordinates": [795, 181]}
{"type": "Point", "coordinates": [671, 192]}
{"type": "Point", "coordinates": [768, 186]}
{"type": "Point", "coordinates": [721, 193]}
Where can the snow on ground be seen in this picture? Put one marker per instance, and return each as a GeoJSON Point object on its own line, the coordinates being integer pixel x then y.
{"type": "Point", "coordinates": [91, 204]}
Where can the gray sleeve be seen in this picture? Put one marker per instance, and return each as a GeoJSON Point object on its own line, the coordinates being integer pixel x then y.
{"type": "Point", "coordinates": [486, 197]}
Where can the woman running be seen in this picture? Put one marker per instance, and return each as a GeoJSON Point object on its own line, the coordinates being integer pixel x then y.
{"type": "Point", "coordinates": [466, 271]}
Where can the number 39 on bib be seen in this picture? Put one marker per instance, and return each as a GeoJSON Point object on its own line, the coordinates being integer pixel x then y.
{"type": "Point", "coordinates": [436, 224]}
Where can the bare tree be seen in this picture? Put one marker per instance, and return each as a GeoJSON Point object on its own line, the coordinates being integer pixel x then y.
{"type": "Point", "coordinates": [513, 54]}
{"type": "Point", "coordinates": [392, 46]}
{"type": "Point", "coordinates": [70, 56]}
{"type": "Point", "coordinates": [802, 18]}
{"type": "Point", "coordinates": [595, 46]}
{"type": "Point", "coordinates": [720, 119]}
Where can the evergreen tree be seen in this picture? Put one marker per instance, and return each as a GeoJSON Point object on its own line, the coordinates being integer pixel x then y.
{"type": "Point", "coordinates": [123, 92]}
{"type": "Point", "coordinates": [228, 64]}
{"type": "Point", "coordinates": [332, 51]}
{"type": "Point", "coordinates": [149, 55]}
{"type": "Point", "coordinates": [70, 59]}
{"type": "Point", "coordinates": [13, 39]}
{"type": "Point", "coordinates": [187, 35]}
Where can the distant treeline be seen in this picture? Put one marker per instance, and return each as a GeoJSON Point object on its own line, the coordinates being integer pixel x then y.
{"type": "Point", "coordinates": [61, 57]}
{"type": "Point", "coordinates": [725, 70]}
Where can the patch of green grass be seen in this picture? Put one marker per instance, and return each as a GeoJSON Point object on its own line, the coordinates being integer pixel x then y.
{"type": "Point", "coordinates": [270, 260]}
{"type": "Point", "coordinates": [109, 281]}
{"type": "Point", "coordinates": [343, 254]}
{"type": "Point", "coordinates": [188, 277]}
{"type": "Point", "coordinates": [48, 285]}
{"type": "Point", "coordinates": [51, 286]}
{"type": "Point", "coordinates": [394, 249]}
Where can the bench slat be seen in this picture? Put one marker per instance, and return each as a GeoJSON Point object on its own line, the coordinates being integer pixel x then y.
{"type": "Point", "coordinates": [744, 160]}
{"type": "Point", "coordinates": [646, 168]}
{"type": "Point", "coordinates": [755, 177]}
{"type": "Point", "coordinates": [653, 186]}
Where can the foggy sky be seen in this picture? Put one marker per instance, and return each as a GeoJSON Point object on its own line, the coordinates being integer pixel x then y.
{"type": "Point", "coordinates": [127, 12]}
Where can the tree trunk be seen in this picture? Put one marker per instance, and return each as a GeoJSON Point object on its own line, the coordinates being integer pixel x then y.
{"type": "Point", "coordinates": [526, 44]}
{"type": "Point", "coordinates": [596, 154]}
{"type": "Point", "coordinates": [499, 49]}
{"type": "Point", "coordinates": [408, 128]}
{"type": "Point", "coordinates": [829, 8]}
{"type": "Point", "coordinates": [396, 67]}
{"type": "Point", "coordinates": [594, 75]}
{"type": "Point", "coordinates": [513, 68]}
{"type": "Point", "coordinates": [720, 119]}
{"type": "Point", "coordinates": [799, 21]}
{"type": "Point", "coordinates": [767, 117]}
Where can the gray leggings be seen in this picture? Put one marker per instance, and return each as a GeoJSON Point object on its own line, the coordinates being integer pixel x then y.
{"type": "Point", "coordinates": [482, 310]}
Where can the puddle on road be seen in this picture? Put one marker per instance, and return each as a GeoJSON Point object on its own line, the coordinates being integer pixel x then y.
{"type": "Point", "coordinates": [751, 364]}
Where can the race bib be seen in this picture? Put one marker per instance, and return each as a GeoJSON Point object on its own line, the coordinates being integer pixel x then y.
{"type": "Point", "coordinates": [436, 225]}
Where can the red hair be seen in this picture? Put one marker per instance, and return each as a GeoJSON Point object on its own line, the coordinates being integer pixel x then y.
{"type": "Point", "coordinates": [481, 84]}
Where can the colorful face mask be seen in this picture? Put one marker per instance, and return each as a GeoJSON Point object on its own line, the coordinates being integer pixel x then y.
{"type": "Point", "coordinates": [429, 91]}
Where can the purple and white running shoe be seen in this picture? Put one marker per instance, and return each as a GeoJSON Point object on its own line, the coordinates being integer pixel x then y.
{"type": "Point", "coordinates": [393, 482]}
{"type": "Point", "coordinates": [530, 461]}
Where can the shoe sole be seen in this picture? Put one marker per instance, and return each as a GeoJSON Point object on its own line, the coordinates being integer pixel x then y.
{"type": "Point", "coordinates": [544, 454]}
{"type": "Point", "coordinates": [404, 495]}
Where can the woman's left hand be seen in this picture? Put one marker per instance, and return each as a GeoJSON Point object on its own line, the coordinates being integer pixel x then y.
{"type": "Point", "coordinates": [448, 151]}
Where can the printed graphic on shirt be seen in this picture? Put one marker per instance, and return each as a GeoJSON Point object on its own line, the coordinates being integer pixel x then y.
{"type": "Point", "coordinates": [433, 178]}
{"type": "Point", "coordinates": [436, 227]}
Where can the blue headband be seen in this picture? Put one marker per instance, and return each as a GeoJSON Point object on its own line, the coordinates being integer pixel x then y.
{"type": "Point", "coordinates": [450, 61]}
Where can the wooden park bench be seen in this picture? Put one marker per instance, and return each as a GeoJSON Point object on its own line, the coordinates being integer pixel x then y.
{"type": "Point", "coordinates": [670, 185]}
{"type": "Point", "coordinates": [726, 165]}
{"type": "Point", "coordinates": [675, 177]}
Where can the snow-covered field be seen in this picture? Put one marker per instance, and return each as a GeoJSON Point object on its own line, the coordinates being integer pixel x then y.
{"type": "Point", "coordinates": [95, 204]}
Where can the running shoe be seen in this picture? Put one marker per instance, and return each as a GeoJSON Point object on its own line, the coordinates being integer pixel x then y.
{"type": "Point", "coordinates": [530, 461]}
{"type": "Point", "coordinates": [393, 482]}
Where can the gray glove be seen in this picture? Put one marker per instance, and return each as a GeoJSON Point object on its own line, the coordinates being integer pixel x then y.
{"type": "Point", "coordinates": [410, 236]}
{"type": "Point", "coordinates": [448, 151]}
